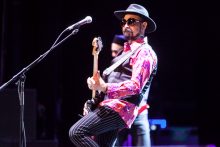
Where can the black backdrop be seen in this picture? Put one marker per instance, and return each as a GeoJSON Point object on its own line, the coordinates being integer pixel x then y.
{"type": "Point", "coordinates": [184, 90]}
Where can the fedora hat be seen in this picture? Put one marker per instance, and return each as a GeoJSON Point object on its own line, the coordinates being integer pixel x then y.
{"type": "Point", "coordinates": [138, 10]}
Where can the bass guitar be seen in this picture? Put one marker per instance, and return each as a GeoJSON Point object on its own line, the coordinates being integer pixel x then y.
{"type": "Point", "coordinates": [91, 104]}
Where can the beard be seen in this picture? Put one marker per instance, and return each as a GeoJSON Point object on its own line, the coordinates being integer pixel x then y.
{"type": "Point", "coordinates": [129, 35]}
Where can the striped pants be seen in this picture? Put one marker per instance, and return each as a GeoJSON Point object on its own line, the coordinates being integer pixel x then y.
{"type": "Point", "coordinates": [103, 123]}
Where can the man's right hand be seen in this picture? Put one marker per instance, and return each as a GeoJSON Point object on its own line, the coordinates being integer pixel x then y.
{"type": "Point", "coordinates": [88, 106]}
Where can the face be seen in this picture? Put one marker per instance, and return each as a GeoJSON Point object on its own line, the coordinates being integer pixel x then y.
{"type": "Point", "coordinates": [116, 49]}
{"type": "Point", "coordinates": [133, 26]}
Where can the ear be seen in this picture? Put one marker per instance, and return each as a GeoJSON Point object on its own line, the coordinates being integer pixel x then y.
{"type": "Point", "coordinates": [144, 25]}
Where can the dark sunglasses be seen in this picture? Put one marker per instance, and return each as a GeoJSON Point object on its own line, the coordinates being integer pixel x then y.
{"type": "Point", "coordinates": [130, 22]}
{"type": "Point", "coordinates": [114, 51]}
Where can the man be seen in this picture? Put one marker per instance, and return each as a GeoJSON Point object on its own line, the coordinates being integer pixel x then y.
{"type": "Point", "coordinates": [123, 88]}
{"type": "Point", "coordinates": [117, 45]}
{"type": "Point", "coordinates": [139, 133]}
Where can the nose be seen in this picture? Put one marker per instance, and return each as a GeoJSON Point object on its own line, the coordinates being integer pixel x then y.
{"type": "Point", "coordinates": [126, 25]}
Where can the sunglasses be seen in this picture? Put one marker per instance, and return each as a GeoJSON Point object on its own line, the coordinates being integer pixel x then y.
{"type": "Point", "coordinates": [114, 51]}
{"type": "Point", "coordinates": [130, 22]}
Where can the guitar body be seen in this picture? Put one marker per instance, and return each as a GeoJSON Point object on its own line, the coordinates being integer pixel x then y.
{"type": "Point", "coordinates": [93, 103]}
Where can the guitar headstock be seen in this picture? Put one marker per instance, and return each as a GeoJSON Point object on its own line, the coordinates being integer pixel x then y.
{"type": "Point", "coordinates": [97, 45]}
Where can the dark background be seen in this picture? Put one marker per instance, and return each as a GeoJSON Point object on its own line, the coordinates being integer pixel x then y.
{"type": "Point", "coordinates": [184, 91]}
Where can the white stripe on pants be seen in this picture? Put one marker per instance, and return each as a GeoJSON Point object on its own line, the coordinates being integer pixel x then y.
{"type": "Point", "coordinates": [103, 123]}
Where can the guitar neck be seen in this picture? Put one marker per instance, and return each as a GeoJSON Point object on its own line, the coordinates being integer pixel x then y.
{"type": "Point", "coordinates": [95, 70]}
{"type": "Point", "coordinates": [97, 46]}
{"type": "Point", "coordinates": [95, 64]}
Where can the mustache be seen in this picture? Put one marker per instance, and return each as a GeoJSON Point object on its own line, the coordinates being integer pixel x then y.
{"type": "Point", "coordinates": [128, 33]}
{"type": "Point", "coordinates": [127, 30]}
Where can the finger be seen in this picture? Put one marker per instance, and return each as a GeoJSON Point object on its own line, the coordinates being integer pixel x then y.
{"type": "Point", "coordinates": [85, 112]}
{"type": "Point", "coordinates": [90, 87]}
{"type": "Point", "coordinates": [89, 81]}
{"type": "Point", "coordinates": [92, 81]}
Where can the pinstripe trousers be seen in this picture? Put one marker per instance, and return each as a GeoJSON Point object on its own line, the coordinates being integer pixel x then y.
{"type": "Point", "coordinates": [102, 123]}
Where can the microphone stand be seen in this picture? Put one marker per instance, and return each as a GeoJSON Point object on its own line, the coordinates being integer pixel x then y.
{"type": "Point", "coordinates": [20, 77]}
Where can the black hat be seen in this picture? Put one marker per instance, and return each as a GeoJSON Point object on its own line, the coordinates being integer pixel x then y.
{"type": "Point", "coordinates": [119, 39]}
{"type": "Point", "coordinates": [139, 10]}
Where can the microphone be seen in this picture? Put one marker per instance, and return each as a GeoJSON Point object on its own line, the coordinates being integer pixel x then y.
{"type": "Point", "coordinates": [87, 19]}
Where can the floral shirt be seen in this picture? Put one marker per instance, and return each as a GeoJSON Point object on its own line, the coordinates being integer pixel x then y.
{"type": "Point", "coordinates": [143, 61]}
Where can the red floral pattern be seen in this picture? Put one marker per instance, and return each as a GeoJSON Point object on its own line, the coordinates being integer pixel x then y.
{"type": "Point", "coordinates": [143, 63]}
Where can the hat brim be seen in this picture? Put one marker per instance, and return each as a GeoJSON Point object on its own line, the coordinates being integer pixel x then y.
{"type": "Point", "coordinates": [151, 24]}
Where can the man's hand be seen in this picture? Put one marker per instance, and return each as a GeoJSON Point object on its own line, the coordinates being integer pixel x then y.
{"type": "Point", "coordinates": [97, 83]}
{"type": "Point", "coordinates": [86, 108]}
{"type": "Point", "coordinates": [89, 105]}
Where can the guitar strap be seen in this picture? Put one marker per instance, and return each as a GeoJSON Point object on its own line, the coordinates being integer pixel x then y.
{"type": "Point", "coordinates": [108, 70]}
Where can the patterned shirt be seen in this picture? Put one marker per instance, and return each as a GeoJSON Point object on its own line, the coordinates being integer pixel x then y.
{"type": "Point", "coordinates": [143, 61]}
